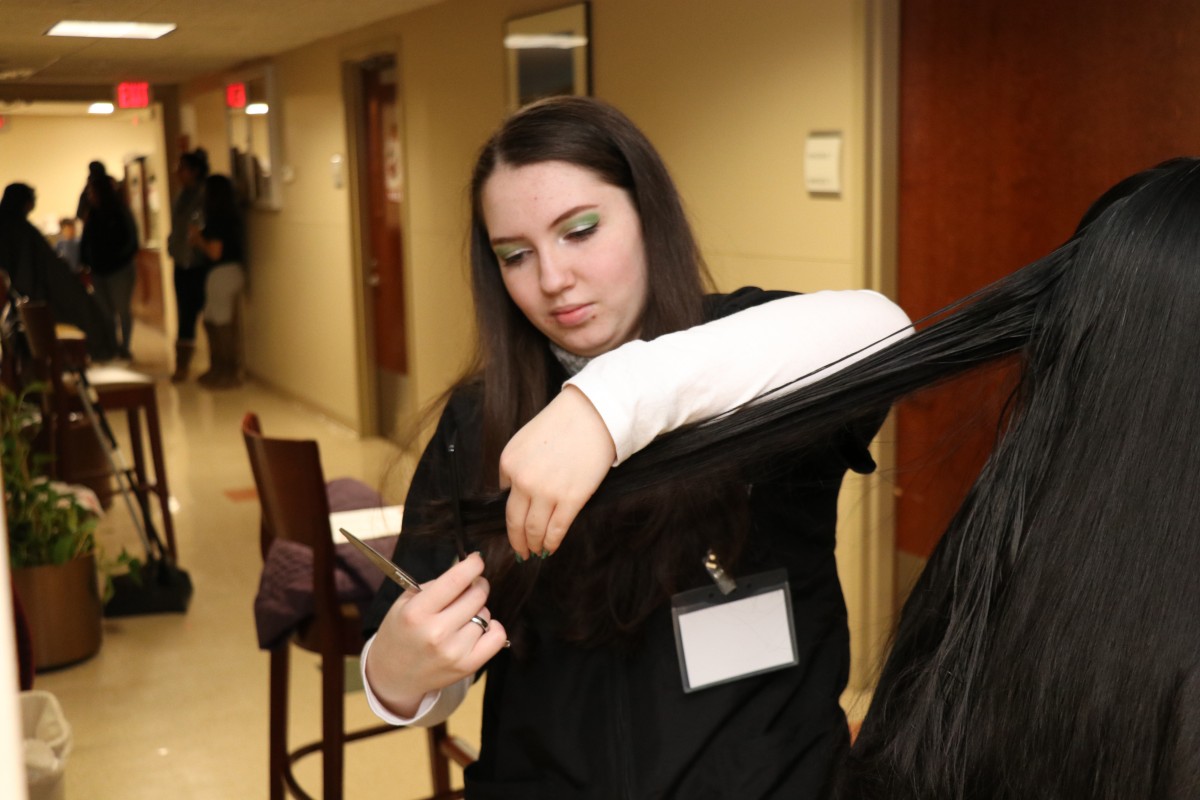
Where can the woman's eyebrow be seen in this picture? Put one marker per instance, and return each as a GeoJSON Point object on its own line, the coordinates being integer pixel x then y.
{"type": "Point", "coordinates": [570, 212]}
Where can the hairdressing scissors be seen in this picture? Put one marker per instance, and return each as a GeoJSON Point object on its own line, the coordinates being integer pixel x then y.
{"type": "Point", "coordinates": [382, 563]}
{"type": "Point", "coordinates": [390, 570]}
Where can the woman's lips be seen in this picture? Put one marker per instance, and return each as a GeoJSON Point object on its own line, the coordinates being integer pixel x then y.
{"type": "Point", "coordinates": [570, 316]}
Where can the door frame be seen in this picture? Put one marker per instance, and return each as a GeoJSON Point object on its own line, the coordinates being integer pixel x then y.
{"type": "Point", "coordinates": [868, 562]}
{"type": "Point", "coordinates": [352, 60]}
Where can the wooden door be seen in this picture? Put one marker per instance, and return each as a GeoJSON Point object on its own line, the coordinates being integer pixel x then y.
{"type": "Point", "coordinates": [381, 198]}
{"type": "Point", "coordinates": [1014, 116]}
{"type": "Point", "coordinates": [385, 196]}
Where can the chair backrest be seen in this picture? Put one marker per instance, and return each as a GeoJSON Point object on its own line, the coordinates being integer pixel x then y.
{"type": "Point", "coordinates": [45, 365]}
{"type": "Point", "coordinates": [38, 322]}
{"type": "Point", "coordinates": [295, 508]}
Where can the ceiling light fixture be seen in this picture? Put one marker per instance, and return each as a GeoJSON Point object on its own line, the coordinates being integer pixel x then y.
{"type": "Point", "coordinates": [256, 109]}
{"type": "Point", "coordinates": [100, 108]}
{"type": "Point", "coordinates": [534, 41]}
{"type": "Point", "coordinates": [111, 30]}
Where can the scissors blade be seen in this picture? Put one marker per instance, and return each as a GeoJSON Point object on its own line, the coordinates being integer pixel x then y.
{"type": "Point", "coordinates": [384, 564]}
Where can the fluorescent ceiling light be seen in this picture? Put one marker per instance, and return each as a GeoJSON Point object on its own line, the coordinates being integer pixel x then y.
{"type": "Point", "coordinates": [100, 108]}
{"type": "Point", "coordinates": [256, 109]}
{"type": "Point", "coordinates": [530, 41]}
{"type": "Point", "coordinates": [111, 30]}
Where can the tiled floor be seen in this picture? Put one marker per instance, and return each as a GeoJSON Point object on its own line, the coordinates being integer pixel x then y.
{"type": "Point", "coordinates": [175, 706]}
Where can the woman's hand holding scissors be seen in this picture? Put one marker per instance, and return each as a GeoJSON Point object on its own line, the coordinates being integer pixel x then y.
{"type": "Point", "coordinates": [434, 638]}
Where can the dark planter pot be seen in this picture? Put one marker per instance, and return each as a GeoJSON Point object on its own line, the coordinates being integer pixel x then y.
{"type": "Point", "coordinates": [62, 605]}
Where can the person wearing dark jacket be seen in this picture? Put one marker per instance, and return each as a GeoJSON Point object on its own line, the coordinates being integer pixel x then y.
{"type": "Point", "coordinates": [96, 171]}
{"type": "Point", "coordinates": [108, 248]}
{"type": "Point", "coordinates": [191, 264]}
{"type": "Point", "coordinates": [222, 239]}
{"type": "Point", "coordinates": [585, 273]}
{"type": "Point", "coordinates": [36, 273]}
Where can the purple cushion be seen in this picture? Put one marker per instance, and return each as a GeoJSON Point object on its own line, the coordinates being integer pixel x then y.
{"type": "Point", "coordinates": [285, 591]}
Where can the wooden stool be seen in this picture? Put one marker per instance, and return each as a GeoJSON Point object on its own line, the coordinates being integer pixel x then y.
{"type": "Point", "coordinates": [120, 389]}
{"type": "Point", "coordinates": [59, 355]}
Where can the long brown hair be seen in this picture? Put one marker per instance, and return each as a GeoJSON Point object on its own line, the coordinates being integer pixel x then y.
{"type": "Point", "coordinates": [608, 581]}
{"type": "Point", "coordinates": [595, 136]}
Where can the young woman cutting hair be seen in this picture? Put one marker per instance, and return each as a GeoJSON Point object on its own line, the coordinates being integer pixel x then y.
{"type": "Point", "coordinates": [585, 271]}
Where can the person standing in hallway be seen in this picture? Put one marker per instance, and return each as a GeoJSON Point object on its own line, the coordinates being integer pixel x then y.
{"type": "Point", "coordinates": [222, 240]}
{"type": "Point", "coordinates": [587, 278]}
{"type": "Point", "coordinates": [95, 168]}
{"type": "Point", "coordinates": [191, 264]}
{"type": "Point", "coordinates": [108, 248]}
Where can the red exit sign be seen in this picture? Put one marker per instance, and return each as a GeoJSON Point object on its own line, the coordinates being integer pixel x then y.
{"type": "Point", "coordinates": [133, 95]}
{"type": "Point", "coordinates": [235, 95]}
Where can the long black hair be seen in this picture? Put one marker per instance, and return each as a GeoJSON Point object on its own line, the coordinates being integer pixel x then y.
{"type": "Point", "coordinates": [1051, 647]}
{"type": "Point", "coordinates": [196, 161]}
{"type": "Point", "coordinates": [220, 202]}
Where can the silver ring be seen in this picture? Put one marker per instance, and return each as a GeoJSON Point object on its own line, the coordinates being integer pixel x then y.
{"type": "Point", "coordinates": [481, 622]}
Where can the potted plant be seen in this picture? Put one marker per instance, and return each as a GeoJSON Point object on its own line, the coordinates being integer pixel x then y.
{"type": "Point", "coordinates": [51, 544]}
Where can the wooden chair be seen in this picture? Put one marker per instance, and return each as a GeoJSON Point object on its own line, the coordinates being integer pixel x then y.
{"type": "Point", "coordinates": [55, 356]}
{"type": "Point", "coordinates": [295, 508]}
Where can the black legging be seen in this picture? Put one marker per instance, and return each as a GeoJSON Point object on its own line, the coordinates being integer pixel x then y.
{"type": "Point", "coordinates": [189, 299]}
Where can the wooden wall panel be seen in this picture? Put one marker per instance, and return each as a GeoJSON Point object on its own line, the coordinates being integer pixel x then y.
{"type": "Point", "coordinates": [1014, 116]}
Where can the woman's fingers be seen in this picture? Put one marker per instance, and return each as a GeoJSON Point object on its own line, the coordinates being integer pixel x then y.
{"type": "Point", "coordinates": [515, 512]}
{"type": "Point", "coordinates": [428, 640]}
{"type": "Point", "coordinates": [560, 521]}
{"type": "Point", "coordinates": [484, 645]}
{"type": "Point", "coordinates": [536, 520]}
{"type": "Point", "coordinates": [553, 464]}
{"type": "Point", "coordinates": [439, 593]}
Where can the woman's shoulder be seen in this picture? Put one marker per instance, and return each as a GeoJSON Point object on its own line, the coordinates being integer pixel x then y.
{"type": "Point", "coordinates": [846, 305]}
{"type": "Point", "coordinates": [722, 305]}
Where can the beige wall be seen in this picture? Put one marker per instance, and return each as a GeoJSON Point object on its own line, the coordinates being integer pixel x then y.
{"type": "Point", "coordinates": [51, 153]}
{"type": "Point", "coordinates": [728, 92]}
{"type": "Point", "coordinates": [727, 95]}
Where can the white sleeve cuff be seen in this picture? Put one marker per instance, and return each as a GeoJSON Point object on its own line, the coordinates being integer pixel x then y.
{"type": "Point", "coordinates": [644, 389]}
{"type": "Point", "coordinates": [436, 707]}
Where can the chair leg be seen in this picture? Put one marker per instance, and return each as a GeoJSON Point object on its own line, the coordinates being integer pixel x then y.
{"type": "Point", "coordinates": [279, 721]}
{"type": "Point", "coordinates": [160, 475]}
{"type": "Point", "coordinates": [438, 763]}
{"type": "Point", "coordinates": [333, 679]}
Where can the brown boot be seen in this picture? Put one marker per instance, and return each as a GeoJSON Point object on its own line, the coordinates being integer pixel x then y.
{"type": "Point", "coordinates": [213, 361]}
{"type": "Point", "coordinates": [183, 359]}
{"type": "Point", "coordinates": [224, 373]}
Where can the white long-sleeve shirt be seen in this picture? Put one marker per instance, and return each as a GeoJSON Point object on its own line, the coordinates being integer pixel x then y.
{"type": "Point", "coordinates": [643, 389]}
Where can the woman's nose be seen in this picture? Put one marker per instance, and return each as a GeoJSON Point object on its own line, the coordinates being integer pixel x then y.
{"type": "Point", "coordinates": [555, 273]}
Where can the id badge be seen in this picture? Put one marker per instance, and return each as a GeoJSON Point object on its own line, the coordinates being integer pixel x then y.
{"type": "Point", "coordinates": [726, 637]}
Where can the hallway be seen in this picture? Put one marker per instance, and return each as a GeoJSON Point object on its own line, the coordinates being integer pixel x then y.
{"type": "Point", "coordinates": [175, 706]}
